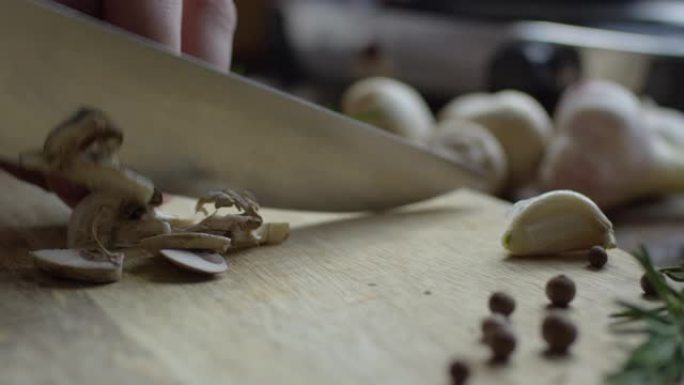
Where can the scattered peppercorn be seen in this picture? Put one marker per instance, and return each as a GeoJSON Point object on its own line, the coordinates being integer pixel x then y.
{"type": "Point", "coordinates": [558, 332]}
{"type": "Point", "coordinates": [502, 303]}
{"type": "Point", "coordinates": [492, 323]}
{"type": "Point", "coordinates": [502, 342]}
{"type": "Point", "coordinates": [459, 372]}
{"type": "Point", "coordinates": [560, 290]}
{"type": "Point", "coordinates": [597, 257]}
{"type": "Point", "coordinates": [647, 286]}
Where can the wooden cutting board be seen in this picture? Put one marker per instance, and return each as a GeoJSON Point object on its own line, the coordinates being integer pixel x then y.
{"type": "Point", "coordinates": [348, 299]}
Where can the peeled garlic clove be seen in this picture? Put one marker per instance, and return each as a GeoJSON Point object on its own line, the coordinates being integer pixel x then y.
{"type": "Point", "coordinates": [389, 104]}
{"type": "Point", "coordinates": [517, 120]}
{"type": "Point", "coordinates": [555, 222]}
{"type": "Point", "coordinates": [274, 233]}
{"type": "Point", "coordinates": [80, 264]}
{"type": "Point", "coordinates": [196, 261]}
{"type": "Point", "coordinates": [473, 145]}
{"type": "Point", "coordinates": [187, 241]}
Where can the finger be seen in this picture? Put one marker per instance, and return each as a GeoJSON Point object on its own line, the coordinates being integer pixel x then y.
{"type": "Point", "coordinates": [69, 192]}
{"type": "Point", "coordinates": [208, 28]}
{"type": "Point", "coordinates": [33, 177]}
{"type": "Point", "coordinates": [159, 20]}
{"type": "Point", "coordinates": [91, 7]}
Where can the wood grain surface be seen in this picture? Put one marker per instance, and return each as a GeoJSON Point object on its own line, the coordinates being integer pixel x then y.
{"type": "Point", "coordinates": [354, 299]}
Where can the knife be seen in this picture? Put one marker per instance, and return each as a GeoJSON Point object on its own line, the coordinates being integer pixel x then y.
{"type": "Point", "coordinates": [191, 128]}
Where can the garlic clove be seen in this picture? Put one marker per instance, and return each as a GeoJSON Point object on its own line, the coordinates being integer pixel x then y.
{"type": "Point", "coordinates": [556, 222]}
{"type": "Point", "coordinates": [196, 261]}
{"type": "Point", "coordinates": [187, 241]}
{"type": "Point", "coordinates": [517, 120]}
{"type": "Point", "coordinates": [80, 264]}
{"type": "Point", "coordinates": [474, 145]}
{"type": "Point", "coordinates": [391, 105]}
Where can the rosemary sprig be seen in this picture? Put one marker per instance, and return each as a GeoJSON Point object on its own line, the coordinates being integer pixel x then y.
{"type": "Point", "coordinates": [659, 360]}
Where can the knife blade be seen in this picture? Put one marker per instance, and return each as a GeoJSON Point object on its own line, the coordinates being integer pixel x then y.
{"type": "Point", "coordinates": [191, 128]}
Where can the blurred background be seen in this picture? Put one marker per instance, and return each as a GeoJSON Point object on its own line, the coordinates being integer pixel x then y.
{"type": "Point", "coordinates": [316, 48]}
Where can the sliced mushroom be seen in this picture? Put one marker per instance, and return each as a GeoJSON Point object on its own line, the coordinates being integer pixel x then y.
{"type": "Point", "coordinates": [96, 216]}
{"type": "Point", "coordinates": [273, 233]}
{"type": "Point", "coordinates": [131, 232]}
{"type": "Point", "coordinates": [80, 264]}
{"type": "Point", "coordinates": [187, 241]}
{"type": "Point", "coordinates": [244, 202]}
{"type": "Point", "coordinates": [96, 177]}
{"type": "Point", "coordinates": [196, 261]}
{"type": "Point", "coordinates": [88, 131]}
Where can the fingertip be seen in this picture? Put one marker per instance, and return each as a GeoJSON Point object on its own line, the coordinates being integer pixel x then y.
{"type": "Point", "coordinates": [90, 7]}
{"type": "Point", "coordinates": [159, 20]}
{"type": "Point", "coordinates": [208, 29]}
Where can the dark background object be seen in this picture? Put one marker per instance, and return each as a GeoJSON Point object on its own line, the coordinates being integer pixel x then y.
{"type": "Point", "coordinates": [665, 82]}
{"type": "Point", "coordinates": [539, 69]}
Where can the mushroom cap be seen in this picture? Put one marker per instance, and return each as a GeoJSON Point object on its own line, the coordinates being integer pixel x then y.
{"type": "Point", "coordinates": [74, 135]}
{"type": "Point", "coordinates": [196, 261]}
{"type": "Point", "coordinates": [557, 222]}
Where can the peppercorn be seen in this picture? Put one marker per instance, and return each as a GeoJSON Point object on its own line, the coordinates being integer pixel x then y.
{"type": "Point", "coordinates": [558, 332]}
{"type": "Point", "coordinates": [560, 290]}
{"type": "Point", "coordinates": [502, 303]}
{"type": "Point", "coordinates": [502, 343]}
{"type": "Point", "coordinates": [492, 323]}
{"type": "Point", "coordinates": [459, 372]}
{"type": "Point", "coordinates": [597, 257]}
{"type": "Point", "coordinates": [647, 286]}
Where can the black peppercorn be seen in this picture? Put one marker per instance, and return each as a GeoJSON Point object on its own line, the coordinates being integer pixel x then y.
{"type": "Point", "coordinates": [502, 303]}
{"type": "Point", "coordinates": [559, 333]}
{"type": "Point", "coordinates": [502, 343]}
{"type": "Point", "coordinates": [647, 286]}
{"type": "Point", "coordinates": [459, 372]}
{"type": "Point", "coordinates": [560, 290]}
{"type": "Point", "coordinates": [597, 257]}
{"type": "Point", "coordinates": [492, 323]}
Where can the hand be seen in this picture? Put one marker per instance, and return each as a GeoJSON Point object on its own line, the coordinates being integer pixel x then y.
{"type": "Point", "coordinates": [201, 28]}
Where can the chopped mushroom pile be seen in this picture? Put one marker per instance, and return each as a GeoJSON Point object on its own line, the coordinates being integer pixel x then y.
{"type": "Point", "coordinates": [120, 213]}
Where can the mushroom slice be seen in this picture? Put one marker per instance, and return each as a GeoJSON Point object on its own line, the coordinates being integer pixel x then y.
{"type": "Point", "coordinates": [196, 261]}
{"type": "Point", "coordinates": [186, 241]}
{"type": "Point", "coordinates": [88, 129]}
{"type": "Point", "coordinates": [244, 202]}
{"type": "Point", "coordinates": [96, 215]}
{"type": "Point", "coordinates": [80, 264]}
{"type": "Point", "coordinates": [96, 177]}
{"type": "Point", "coordinates": [273, 233]}
{"type": "Point", "coordinates": [556, 222]}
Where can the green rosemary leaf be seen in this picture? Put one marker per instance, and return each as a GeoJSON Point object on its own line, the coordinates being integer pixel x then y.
{"type": "Point", "coordinates": [659, 360]}
{"type": "Point", "coordinates": [639, 313]}
{"type": "Point", "coordinates": [675, 275]}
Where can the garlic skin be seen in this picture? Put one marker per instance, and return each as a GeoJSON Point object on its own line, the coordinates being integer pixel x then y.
{"type": "Point", "coordinates": [518, 122]}
{"type": "Point", "coordinates": [472, 144]}
{"type": "Point", "coordinates": [556, 222]}
{"type": "Point", "coordinates": [391, 105]}
{"type": "Point", "coordinates": [612, 148]}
